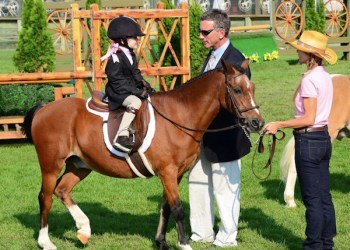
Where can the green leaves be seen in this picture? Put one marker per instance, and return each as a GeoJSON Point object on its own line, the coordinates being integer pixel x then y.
{"type": "Point", "coordinates": [35, 51]}
{"type": "Point", "coordinates": [315, 16]}
{"type": "Point", "coordinates": [18, 99]}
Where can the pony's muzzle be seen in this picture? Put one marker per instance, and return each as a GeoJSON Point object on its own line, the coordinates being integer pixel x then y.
{"type": "Point", "coordinates": [255, 124]}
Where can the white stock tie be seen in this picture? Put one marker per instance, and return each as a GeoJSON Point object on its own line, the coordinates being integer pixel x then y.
{"type": "Point", "coordinates": [211, 62]}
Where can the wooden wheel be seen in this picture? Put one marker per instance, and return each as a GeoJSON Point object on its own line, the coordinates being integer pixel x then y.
{"type": "Point", "coordinates": [337, 18]}
{"type": "Point", "coordinates": [288, 20]}
{"type": "Point", "coordinates": [60, 24]}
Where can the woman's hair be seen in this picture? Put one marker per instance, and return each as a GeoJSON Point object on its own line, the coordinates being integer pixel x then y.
{"type": "Point", "coordinates": [220, 18]}
{"type": "Point", "coordinates": [313, 61]}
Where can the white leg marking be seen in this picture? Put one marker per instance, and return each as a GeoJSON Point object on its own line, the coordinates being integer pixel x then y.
{"type": "Point", "coordinates": [185, 247]}
{"type": "Point", "coordinates": [81, 220]}
{"type": "Point", "coordinates": [44, 241]}
{"type": "Point", "coordinates": [288, 172]}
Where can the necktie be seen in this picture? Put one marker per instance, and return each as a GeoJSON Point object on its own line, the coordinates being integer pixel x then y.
{"type": "Point", "coordinates": [211, 61]}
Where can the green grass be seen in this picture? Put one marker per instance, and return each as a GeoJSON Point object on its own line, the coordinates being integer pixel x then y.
{"type": "Point", "coordinates": [124, 213]}
{"type": "Point", "coordinates": [254, 43]}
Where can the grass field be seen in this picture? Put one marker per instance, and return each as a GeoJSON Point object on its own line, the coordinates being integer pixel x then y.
{"type": "Point", "coordinates": [124, 213]}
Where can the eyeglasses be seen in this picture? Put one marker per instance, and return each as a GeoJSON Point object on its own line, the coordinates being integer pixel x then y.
{"type": "Point", "coordinates": [205, 32]}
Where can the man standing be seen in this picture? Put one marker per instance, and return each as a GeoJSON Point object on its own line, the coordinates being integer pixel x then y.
{"type": "Point", "coordinates": [217, 173]}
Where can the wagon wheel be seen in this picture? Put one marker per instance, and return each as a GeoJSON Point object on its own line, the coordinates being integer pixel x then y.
{"type": "Point", "coordinates": [13, 7]}
{"type": "Point", "coordinates": [205, 4]}
{"type": "Point", "coordinates": [60, 24]}
{"type": "Point", "coordinates": [337, 18]}
{"type": "Point", "coordinates": [288, 20]}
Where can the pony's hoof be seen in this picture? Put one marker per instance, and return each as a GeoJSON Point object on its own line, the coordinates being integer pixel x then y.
{"type": "Point", "coordinates": [291, 205]}
{"type": "Point", "coordinates": [83, 238]}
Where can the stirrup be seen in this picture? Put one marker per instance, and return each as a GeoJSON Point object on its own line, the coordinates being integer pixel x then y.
{"type": "Point", "coordinates": [124, 143]}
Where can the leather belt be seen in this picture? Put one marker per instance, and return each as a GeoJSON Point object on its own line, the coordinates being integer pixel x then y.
{"type": "Point", "coordinates": [310, 129]}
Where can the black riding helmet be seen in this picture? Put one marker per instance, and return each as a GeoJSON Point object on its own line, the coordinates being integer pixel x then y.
{"type": "Point", "coordinates": [123, 27]}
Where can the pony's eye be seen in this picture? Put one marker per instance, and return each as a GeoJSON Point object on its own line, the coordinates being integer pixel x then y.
{"type": "Point", "coordinates": [237, 91]}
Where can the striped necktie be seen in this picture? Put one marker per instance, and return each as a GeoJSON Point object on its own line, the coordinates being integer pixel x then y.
{"type": "Point", "coordinates": [211, 62]}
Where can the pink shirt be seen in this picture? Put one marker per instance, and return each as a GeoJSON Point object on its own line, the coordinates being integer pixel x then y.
{"type": "Point", "coordinates": [316, 83]}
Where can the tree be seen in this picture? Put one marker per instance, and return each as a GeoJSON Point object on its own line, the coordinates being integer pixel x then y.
{"type": "Point", "coordinates": [35, 51]}
{"type": "Point", "coordinates": [104, 40]}
{"type": "Point", "coordinates": [315, 18]}
{"type": "Point", "coordinates": [198, 51]}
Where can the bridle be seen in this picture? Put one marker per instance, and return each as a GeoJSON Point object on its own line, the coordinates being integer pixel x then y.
{"type": "Point", "coordinates": [233, 106]}
{"type": "Point", "coordinates": [232, 101]}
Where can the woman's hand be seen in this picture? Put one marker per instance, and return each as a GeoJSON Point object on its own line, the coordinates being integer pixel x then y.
{"type": "Point", "coordinates": [271, 128]}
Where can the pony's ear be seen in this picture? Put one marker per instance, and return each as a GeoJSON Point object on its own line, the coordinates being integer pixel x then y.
{"type": "Point", "coordinates": [245, 64]}
{"type": "Point", "coordinates": [227, 67]}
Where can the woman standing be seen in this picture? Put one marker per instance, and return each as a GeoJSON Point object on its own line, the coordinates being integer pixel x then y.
{"type": "Point", "coordinates": [313, 148]}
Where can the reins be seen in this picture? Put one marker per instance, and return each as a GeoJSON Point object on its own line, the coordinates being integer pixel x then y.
{"type": "Point", "coordinates": [192, 129]}
{"type": "Point", "coordinates": [232, 104]}
{"type": "Point", "coordinates": [260, 148]}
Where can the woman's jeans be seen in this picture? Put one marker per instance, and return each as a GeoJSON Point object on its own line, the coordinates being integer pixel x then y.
{"type": "Point", "coordinates": [313, 151]}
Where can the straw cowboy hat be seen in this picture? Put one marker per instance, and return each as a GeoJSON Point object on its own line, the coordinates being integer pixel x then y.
{"type": "Point", "coordinates": [316, 43]}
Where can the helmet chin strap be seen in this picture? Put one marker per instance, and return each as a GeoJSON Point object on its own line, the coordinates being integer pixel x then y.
{"type": "Point", "coordinates": [123, 42]}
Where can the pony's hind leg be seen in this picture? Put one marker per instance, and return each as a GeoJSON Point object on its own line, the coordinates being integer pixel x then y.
{"type": "Point", "coordinates": [289, 174]}
{"type": "Point", "coordinates": [72, 175]}
{"type": "Point", "coordinates": [45, 202]}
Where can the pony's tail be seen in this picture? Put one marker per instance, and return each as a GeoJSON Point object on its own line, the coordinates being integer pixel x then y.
{"type": "Point", "coordinates": [287, 159]}
{"type": "Point", "coordinates": [26, 126]}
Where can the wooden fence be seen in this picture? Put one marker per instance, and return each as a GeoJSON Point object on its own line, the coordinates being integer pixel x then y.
{"type": "Point", "coordinates": [150, 65]}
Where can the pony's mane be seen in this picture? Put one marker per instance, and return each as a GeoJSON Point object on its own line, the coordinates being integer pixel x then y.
{"type": "Point", "coordinates": [239, 68]}
{"type": "Point", "coordinates": [204, 74]}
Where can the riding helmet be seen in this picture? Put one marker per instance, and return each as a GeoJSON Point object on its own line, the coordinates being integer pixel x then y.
{"type": "Point", "coordinates": [122, 27]}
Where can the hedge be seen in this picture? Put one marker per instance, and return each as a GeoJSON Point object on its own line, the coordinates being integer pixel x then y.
{"type": "Point", "coordinates": [18, 99]}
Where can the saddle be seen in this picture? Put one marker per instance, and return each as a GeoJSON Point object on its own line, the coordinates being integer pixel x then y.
{"type": "Point", "coordinates": [114, 119]}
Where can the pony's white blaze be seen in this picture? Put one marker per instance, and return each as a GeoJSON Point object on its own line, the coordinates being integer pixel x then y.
{"type": "Point", "coordinates": [252, 103]}
{"type": "Point", "coordinates": [44, 241]}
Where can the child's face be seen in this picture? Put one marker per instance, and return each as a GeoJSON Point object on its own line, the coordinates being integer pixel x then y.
{"type": "Point", "coordinates": [133, 42]}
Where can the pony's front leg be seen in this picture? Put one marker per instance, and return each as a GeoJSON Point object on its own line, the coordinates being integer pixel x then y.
{"type": "Point", "coordinates": [44, 241]}
{"type": "Point", "coordinates": [171, 203]}
{"type": "Point", "coordinates": [163, 223]}
{"type": "Point", "coordinates": [162, 226]}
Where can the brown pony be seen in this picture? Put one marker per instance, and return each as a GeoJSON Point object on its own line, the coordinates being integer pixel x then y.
{"type": "Point", "coordinates": [338, 127]}
{"type": "Point", "coordinates": [65, 133]}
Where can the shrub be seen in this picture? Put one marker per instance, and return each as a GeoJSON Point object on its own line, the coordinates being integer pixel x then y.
{"type": "Point", "coordinates": [315, 16]}
{"type": "Point", "coordinates": [18, 99]}
{"type": "Point", "coordinates": [35, 51]}
{"type": "Point", "coordinates": [198, 51]}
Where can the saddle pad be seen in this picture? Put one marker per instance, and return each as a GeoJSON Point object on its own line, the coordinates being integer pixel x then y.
{"type": "Point", "coordinates": [143, 148]}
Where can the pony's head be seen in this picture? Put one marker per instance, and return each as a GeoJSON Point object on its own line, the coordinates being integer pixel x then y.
{"type": "Point", "coordinates": [239, 97]}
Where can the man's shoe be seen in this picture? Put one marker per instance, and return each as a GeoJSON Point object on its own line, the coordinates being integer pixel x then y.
{"type": "Point", "coordinates": [124, 143]}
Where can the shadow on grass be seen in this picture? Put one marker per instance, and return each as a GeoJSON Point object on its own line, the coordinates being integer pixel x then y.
{"type": "Point", "coordinates": [274, 190]}
{"type": "Point", "coordinates": [102, 221]}
{"type": "Point", "coordinates": [293, 61]}
{"type": "Point", "coordinates": [270, 229]}
{"type": "Point", "coordinates": [340, 183]}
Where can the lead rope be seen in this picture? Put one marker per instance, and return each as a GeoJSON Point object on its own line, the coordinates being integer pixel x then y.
{"type": "Point", "coordinates": [260, 148]}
